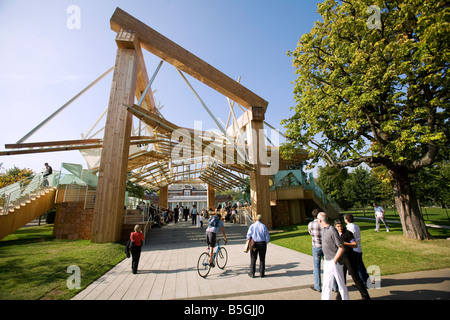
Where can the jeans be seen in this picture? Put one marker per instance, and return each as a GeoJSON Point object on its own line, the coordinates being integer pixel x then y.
{"type": "Point", "coordinates": [362, 272]}
{"type": "Point", "coordinates": [317, 257]}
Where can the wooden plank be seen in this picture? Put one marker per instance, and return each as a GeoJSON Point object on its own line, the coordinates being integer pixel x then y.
{"type": "Point", "coordinates": [157, 123]}
{"type": "Point", "coordinates": [182, 59]}
{"type": "Point", "coordinates": [142, 81]}
{"type": "Point", "coordinates": [50, 143]}
{"type": "Point", "coordinates": [68, 145]}
{"type": "Point", "coordinates": [108, 211]}
{"type": "Point", "coordinates": [50, 149]}
{"type": "Point", "coordinates": [164, 197]}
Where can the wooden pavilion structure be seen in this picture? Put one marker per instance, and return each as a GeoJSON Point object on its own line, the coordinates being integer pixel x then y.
{"type": "Point", "coordinates": [130, 80]}
{"type": "Point", "coordinates": [245, 147]}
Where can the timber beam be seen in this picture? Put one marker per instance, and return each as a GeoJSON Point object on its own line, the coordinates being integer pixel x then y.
{"type": "Point", "coordinates": [183, 60]}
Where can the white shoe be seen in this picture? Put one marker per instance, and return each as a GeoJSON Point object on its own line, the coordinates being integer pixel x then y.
{"type": "Point", "coordinates": [387, 230]}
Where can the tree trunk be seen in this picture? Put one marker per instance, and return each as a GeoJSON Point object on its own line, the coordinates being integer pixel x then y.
{"type": "Point", "coordinates": [407, 207]}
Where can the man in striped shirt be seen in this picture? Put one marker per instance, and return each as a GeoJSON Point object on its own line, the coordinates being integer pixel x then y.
{"type": "Point", "coordinates": [315, 230]}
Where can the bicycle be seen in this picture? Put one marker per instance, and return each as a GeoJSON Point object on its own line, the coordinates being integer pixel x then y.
{"type": "Point", "coordinates": [220, 257]}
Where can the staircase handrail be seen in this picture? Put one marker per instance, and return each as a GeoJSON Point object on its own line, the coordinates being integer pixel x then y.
{"type": "Point", "coordinates": [24, 189]}
{"type": "Point", "coordinates": [307, 183]}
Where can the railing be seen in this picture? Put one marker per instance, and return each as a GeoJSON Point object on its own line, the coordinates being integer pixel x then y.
{"type": "Point", "coordinates": [16, 193]}
{"type": "Point", "coordinates": [307, 184]}
{"type": "Point", "coordinates": [77, 193]}
{"type": "Point", "coordinates": [244, 215]}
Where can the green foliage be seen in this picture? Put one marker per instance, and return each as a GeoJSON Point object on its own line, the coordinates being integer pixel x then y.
{"type": "Point", "coordinates": [378, 96]}
{"type": "Point", "coordinates": [433, 184]}
{"type": "Point", "coordinates": [331, 180]}
{"type": "Point", "coordinates": [245, 190]}
{"type": "Point", "coordinates": [362, 188]}
{"type": "Point", "coordinates": [235, 194]}
{"type": "Point", "coordinates": [357, 188]}
{"type": "Point", "coordinates": [14, 175]}
{"type": "Point", "coordinates": [135, 190]}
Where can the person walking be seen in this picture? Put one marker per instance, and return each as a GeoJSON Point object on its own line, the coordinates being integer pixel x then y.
{"type": "Point", "coordinates": [194, 214]}
{"type": "Point", "coordinates": [353, 228]}
{"type": "Point", "coordinates": [349, 260]}
{"type": "Point", "coordinates": [176, 214]}
{"type": "Point", "coordinates": [202, 215]}
{"type": "Point", "coordinates": [315, 230]}
{"type": "Point", "coordinates": [379, 215]}
{"type": "Point", "coordinates": [260, 235]}
{"type": "Point", "coordinates": [333, 249]}
{"type": "Point", "coordinates": [186, 213]}
{"type": "Point", "coordinates": [137, 239]}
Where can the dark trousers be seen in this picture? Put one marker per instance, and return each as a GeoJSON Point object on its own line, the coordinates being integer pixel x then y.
{"type": "Point", "coordinates": [361, 268]}
{"type": "Point", "coordinates": [260, 249]}
{"type": "Point", "coordinates": [135, 255]}
{"type": "Point", "coordinates": [349, 262]}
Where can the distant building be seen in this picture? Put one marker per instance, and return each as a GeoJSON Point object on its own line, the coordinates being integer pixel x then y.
{"type": "Point", "coordinates": [187, 196]}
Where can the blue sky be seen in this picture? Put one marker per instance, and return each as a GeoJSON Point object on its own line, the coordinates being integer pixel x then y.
{"type": "Point", "coordinates": [43, 63]}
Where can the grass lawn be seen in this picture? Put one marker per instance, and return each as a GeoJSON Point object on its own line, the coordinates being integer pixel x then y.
{"type": "Point", "coordinates": [437, 216]}
{"type": "Point", "coordinates": [33, 264]}
{"type": "Point", "coordinates": [392, 252]}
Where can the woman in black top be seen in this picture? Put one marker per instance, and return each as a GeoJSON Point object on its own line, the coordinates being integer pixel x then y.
{"type": "Point", "coordinates": [348, 259]}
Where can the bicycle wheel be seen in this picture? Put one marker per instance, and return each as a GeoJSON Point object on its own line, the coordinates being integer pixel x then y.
{"type": "Point", "coordinates": [203, 266]}
{"type": "Point", "coordinates": [222, 258]}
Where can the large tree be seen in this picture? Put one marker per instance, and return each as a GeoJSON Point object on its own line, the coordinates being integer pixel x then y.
{"type": "Point", "coordinates": [373, 88]}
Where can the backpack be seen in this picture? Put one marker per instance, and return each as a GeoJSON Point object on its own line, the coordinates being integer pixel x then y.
{"type": "Point", "coordinates": [214, 222]}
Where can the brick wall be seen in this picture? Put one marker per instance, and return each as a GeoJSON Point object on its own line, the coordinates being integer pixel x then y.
{"type": "Point", "coordinates": [72, 221]}
{"type": "Point", "coordinates": [280, 213]}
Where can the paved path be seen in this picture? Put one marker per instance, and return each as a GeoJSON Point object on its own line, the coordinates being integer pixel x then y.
{"type": "Point", "coordinates": [167, 271]}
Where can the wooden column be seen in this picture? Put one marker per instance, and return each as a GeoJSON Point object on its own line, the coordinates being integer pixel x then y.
{"type": "Point", "coordinates": [211, 197]}
{"type": "Point", "coordinates": [109, 202]}
{"type": "Point", "coordinates": [164, 197]}
{"type": "Point", "coordinates": [259, 184]}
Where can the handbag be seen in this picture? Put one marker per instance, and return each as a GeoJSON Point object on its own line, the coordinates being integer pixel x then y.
{"type": "Point", "coordinates": [249, 245]}
{"type": "Point", "coordinates": [127, 248]}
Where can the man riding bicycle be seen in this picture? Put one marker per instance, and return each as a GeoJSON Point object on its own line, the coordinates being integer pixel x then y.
{"type": "Point", "coordinates": [214, 223]}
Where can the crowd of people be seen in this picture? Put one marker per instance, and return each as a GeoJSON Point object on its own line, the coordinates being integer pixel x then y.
{"type": "Point", "coordinates": [340, 248]}
{"type": "Point", "coordinates": [184, 213]}
{"type": "Point", "coordinates": [338, 245]}
{"type": "Point", "coordinates": [160, 216]}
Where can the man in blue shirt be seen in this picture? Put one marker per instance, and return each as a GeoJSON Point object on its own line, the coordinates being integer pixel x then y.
{"type": "Point", "coordinates": [260, 235]}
